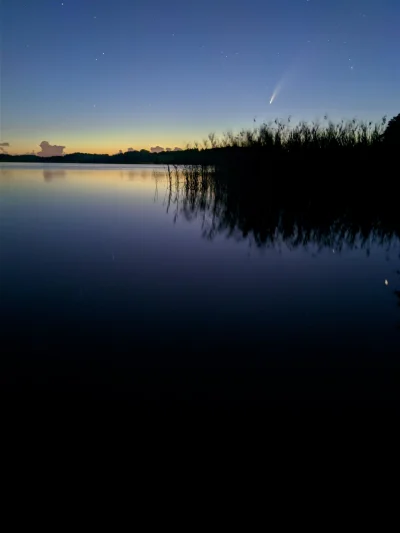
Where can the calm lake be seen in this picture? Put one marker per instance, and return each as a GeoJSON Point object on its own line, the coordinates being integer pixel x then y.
{"type": "Point", "coordinates": [109, 271]}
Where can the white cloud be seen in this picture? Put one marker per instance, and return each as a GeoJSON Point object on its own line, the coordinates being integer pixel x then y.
{"type": "Point", "coordinates": [49, 150]}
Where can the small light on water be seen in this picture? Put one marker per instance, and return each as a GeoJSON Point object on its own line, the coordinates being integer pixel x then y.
{"type": "Point", "coordinates": [386, 282]}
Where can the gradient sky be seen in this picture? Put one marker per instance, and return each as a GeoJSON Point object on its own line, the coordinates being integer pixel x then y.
{"type": "Point", "coordinates": [103, 76]}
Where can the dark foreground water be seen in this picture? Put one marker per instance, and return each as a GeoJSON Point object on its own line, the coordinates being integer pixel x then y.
{"type": "Point", "coordinates": [114, 284]}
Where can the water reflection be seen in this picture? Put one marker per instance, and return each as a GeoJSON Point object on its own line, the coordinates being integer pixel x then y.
{"type": "Point", "coordinates": [5, 174]}
{"type": "Point", "coordinates": [142, 174]}
{"type": "Point", "coordinates": [296, 221]}
{"type": "Point", "coordinates": [50, 175]}
{"type": "Point", "coordinates": [256, 214]}
{"type": "Point", "coordinates": [94, 279]}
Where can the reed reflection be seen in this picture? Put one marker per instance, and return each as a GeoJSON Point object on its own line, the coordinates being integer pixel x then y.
{"type": "Point", "coordinates": [272, 213]}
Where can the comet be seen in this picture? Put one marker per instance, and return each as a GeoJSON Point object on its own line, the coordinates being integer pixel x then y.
{"type": "Point", "coordinates": [273, 97]}
{"type": "Point", "coordinates": [289, 74]}
{"type": "Point", "coordinates": [275, 93]}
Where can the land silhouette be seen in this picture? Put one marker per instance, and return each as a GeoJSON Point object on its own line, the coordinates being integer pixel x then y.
{"type": "Point", "coordinates": [269, 143]}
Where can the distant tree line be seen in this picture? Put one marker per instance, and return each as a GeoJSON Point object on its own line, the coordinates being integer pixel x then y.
{"type": "Point", "coordinates": [183, 157]}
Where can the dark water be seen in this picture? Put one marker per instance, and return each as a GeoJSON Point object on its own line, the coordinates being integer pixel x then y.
{"type": "Point", "coordinates": [111, 280]}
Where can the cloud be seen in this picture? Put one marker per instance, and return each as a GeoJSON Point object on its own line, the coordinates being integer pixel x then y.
{"type": "Point", "coordinates": [176, 149]}
{"type": "Point", "coordinates": [156, 149]}
{"type": "Point", "coordinates": [2, 151]}
{"type": "Point", "coordinates": [131, 150]}
{"type": "Point", "coordinates": [168, 150]}
{"type": "Point", "coordinates": [48, 150]}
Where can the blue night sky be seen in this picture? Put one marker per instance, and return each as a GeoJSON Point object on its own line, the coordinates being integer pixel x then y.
{"type": "Point", "coordinates": [103, 76]}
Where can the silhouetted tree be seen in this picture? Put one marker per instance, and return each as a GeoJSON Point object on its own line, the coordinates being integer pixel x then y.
{"type": "Point", "coordinates": [392, 132]}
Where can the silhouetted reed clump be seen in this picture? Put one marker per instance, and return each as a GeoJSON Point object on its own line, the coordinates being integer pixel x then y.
{"type": "Point", "coordinates": [280, 137]}
{"type": "Point", "coordinates": [301, 148]}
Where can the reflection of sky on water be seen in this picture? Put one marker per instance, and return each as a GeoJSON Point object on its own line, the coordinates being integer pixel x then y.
{"type": "Point", "coordinates": [102, 251]}
{"type": "Point", "coordinates": [49, 175]}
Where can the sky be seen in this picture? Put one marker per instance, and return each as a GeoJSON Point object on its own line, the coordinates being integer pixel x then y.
{"type": "Point", "coordinates": [102, 76]}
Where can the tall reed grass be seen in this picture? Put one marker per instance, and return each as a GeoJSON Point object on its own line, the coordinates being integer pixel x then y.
{"type": "Point", "coordinates": [280, 135]}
